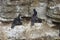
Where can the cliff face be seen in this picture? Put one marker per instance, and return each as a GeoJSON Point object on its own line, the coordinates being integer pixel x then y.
{"type": "Point", "coordinates": [9, 9]}
{"type": "Point", "coordinates": [54, 10]}
{"type": "Point", "coordinates": [24, 7]}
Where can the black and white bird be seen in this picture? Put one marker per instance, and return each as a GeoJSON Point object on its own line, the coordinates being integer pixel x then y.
{"type": "Point", "coordinates": [16, 21]}
{"type": "Point", "coordinates": [34, 18]}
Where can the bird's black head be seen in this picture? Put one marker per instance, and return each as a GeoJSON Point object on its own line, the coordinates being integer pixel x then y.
{"type": "Point", "coordinates": [34, 9]}
{"type": "Point", "coordinates": [19, 16]}
{"type": "Point", "coordinates": [35, 12]}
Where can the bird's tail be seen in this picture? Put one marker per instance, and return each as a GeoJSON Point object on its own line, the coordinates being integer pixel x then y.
{"type": "Point", "coordinates": [13, 25]}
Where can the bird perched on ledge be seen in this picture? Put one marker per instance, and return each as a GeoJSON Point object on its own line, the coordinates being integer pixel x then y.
{"type": "Point", "coordinates": [16, 21]}
{"type": "Point", "coordinates": [34, 18]}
